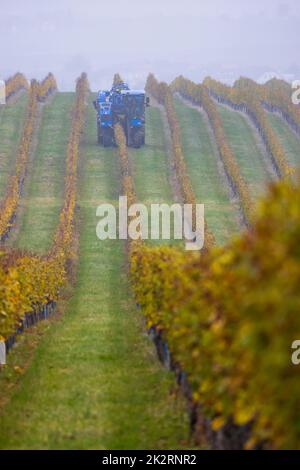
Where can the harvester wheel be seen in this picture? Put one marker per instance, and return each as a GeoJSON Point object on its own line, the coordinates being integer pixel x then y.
{"type": "Point", "coordinates": [107, 140]}
{"type": "Point", "coordinates": [138, 139]}
{"type": "Point", "coordinates": [100, 139]}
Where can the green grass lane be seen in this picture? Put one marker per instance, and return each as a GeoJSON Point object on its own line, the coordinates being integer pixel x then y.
{"type": "Point", "coordinates": [202, 166]}
{"type": "Point", "coordinates": [249, 153]}
{"type": "Point", "coordinates": [94, 381]}
{"type": "Point", "coordinates": [150, 162]}
{"type": "Point", "coordinates": [288, 139]}
{"type": "Point", "coordinates": [44, 195]}
{"type": "Point", "coordinates": [150, 168]}
{"type": "Point", "coordinates": [11, 121]}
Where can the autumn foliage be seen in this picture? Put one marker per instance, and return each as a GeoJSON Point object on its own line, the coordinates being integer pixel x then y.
{"type": "Point", "coordinates": [246, 97]}
{"type": "Point", "coordinates": [163, 94]}
{"type": "Point", "coordinates": [27, 280]}
{"type": "Point", "coordinates": [8, 207]}
{"type": "Point", "coordinates": [117, 79]}
{"type": "Point", "coordinates": [276, 95]}
{"type": "Point", "coordinates": [230, 316]}
{"type": "Point", "coordinates": [14, 84]}
{"type": "Point", "coordinates": [199, 95]}
{"type": "Point", "coordinates": [47, 87]}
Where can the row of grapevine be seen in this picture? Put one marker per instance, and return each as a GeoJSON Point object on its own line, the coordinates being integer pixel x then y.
{"type": "Point", "coordinates": [28, 281]}
{"type": "Point", "coordinates": [159, 268]}
{"type": "Point", "coordinates": [9, 205]}
{"type": "Point", "coordinates": [117, 79]}
{"type": "Point", "coordinates": [47, 87]}
{"type": "Point", "coordinates": [199, 95]}
{"type": "Point", "coordinates": [127, 180]}
{"type": "Point", "coordinates": [14, 84]}
{"type": "Point", "coordinates": [275, 96]}
{"type": "Point", "coordinates": [162, 93]}
{"type": "Point", "coordinates": [221, 312]}
{"type": "Point", "coordinates": [229, 317]}
{"type": "Point", "coordinates": [247, 99]}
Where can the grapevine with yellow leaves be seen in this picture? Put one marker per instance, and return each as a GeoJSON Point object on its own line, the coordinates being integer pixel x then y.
{"type": "Point", "coordinates": [245, 95]}
{"type": "Point", "coordinates": [230, 315]}
{"type": "Point", "coordinates": [199, 95]}
{"type": "Point", "coordinates": [14, 84]}
{"type": "Point", "coordinates": [28, 281]}
{"type": "Point", "coordinates": [162, 93]}
{"type": "Point", "coordinates": [9, 205]}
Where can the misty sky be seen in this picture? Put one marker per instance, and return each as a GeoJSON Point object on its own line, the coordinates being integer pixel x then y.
{"type": "Point", "coordinates": [224, 38]}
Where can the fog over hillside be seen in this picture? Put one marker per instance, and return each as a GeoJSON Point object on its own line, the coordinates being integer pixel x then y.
{"type": "Point", "coordinates": [223, 38]}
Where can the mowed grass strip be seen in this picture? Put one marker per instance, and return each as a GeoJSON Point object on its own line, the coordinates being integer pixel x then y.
{"type": "Point", "coordinates": [12, 117]}
{"type": "Point", "coordinates": [202, 163]}
{"type": "Point", "coordinates": [151, 170]}
{"type": "Point", "coordinates": [150, 162]}
{"type": "Point", "coordinates": [44, 196]}
{"type": "Point", "coordinates": [288, 139]}
{"type": "Point", "coordinates": [95, 381]}
{"type": "Point", "coordinates": [250, 154]}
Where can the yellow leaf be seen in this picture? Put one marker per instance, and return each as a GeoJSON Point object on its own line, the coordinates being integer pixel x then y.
{"type": "Point", "coordinates": [217, 423]}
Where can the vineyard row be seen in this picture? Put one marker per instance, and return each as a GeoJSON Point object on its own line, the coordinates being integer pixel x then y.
{"type": "Point", "coordinates": [199, 95]}
{"type": "Point", "coordinates": [244, 98]}
{"type": "Point", "coordinates": [220, 313]}
{"type": "Point", "coordinates": [162, 93]}
{"type": "Point", "coordinates": [37, 92]}
{"type": "Point", "coordinates": [28, 281]}
{"type": "Point", "coordinates": [15, 84]}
